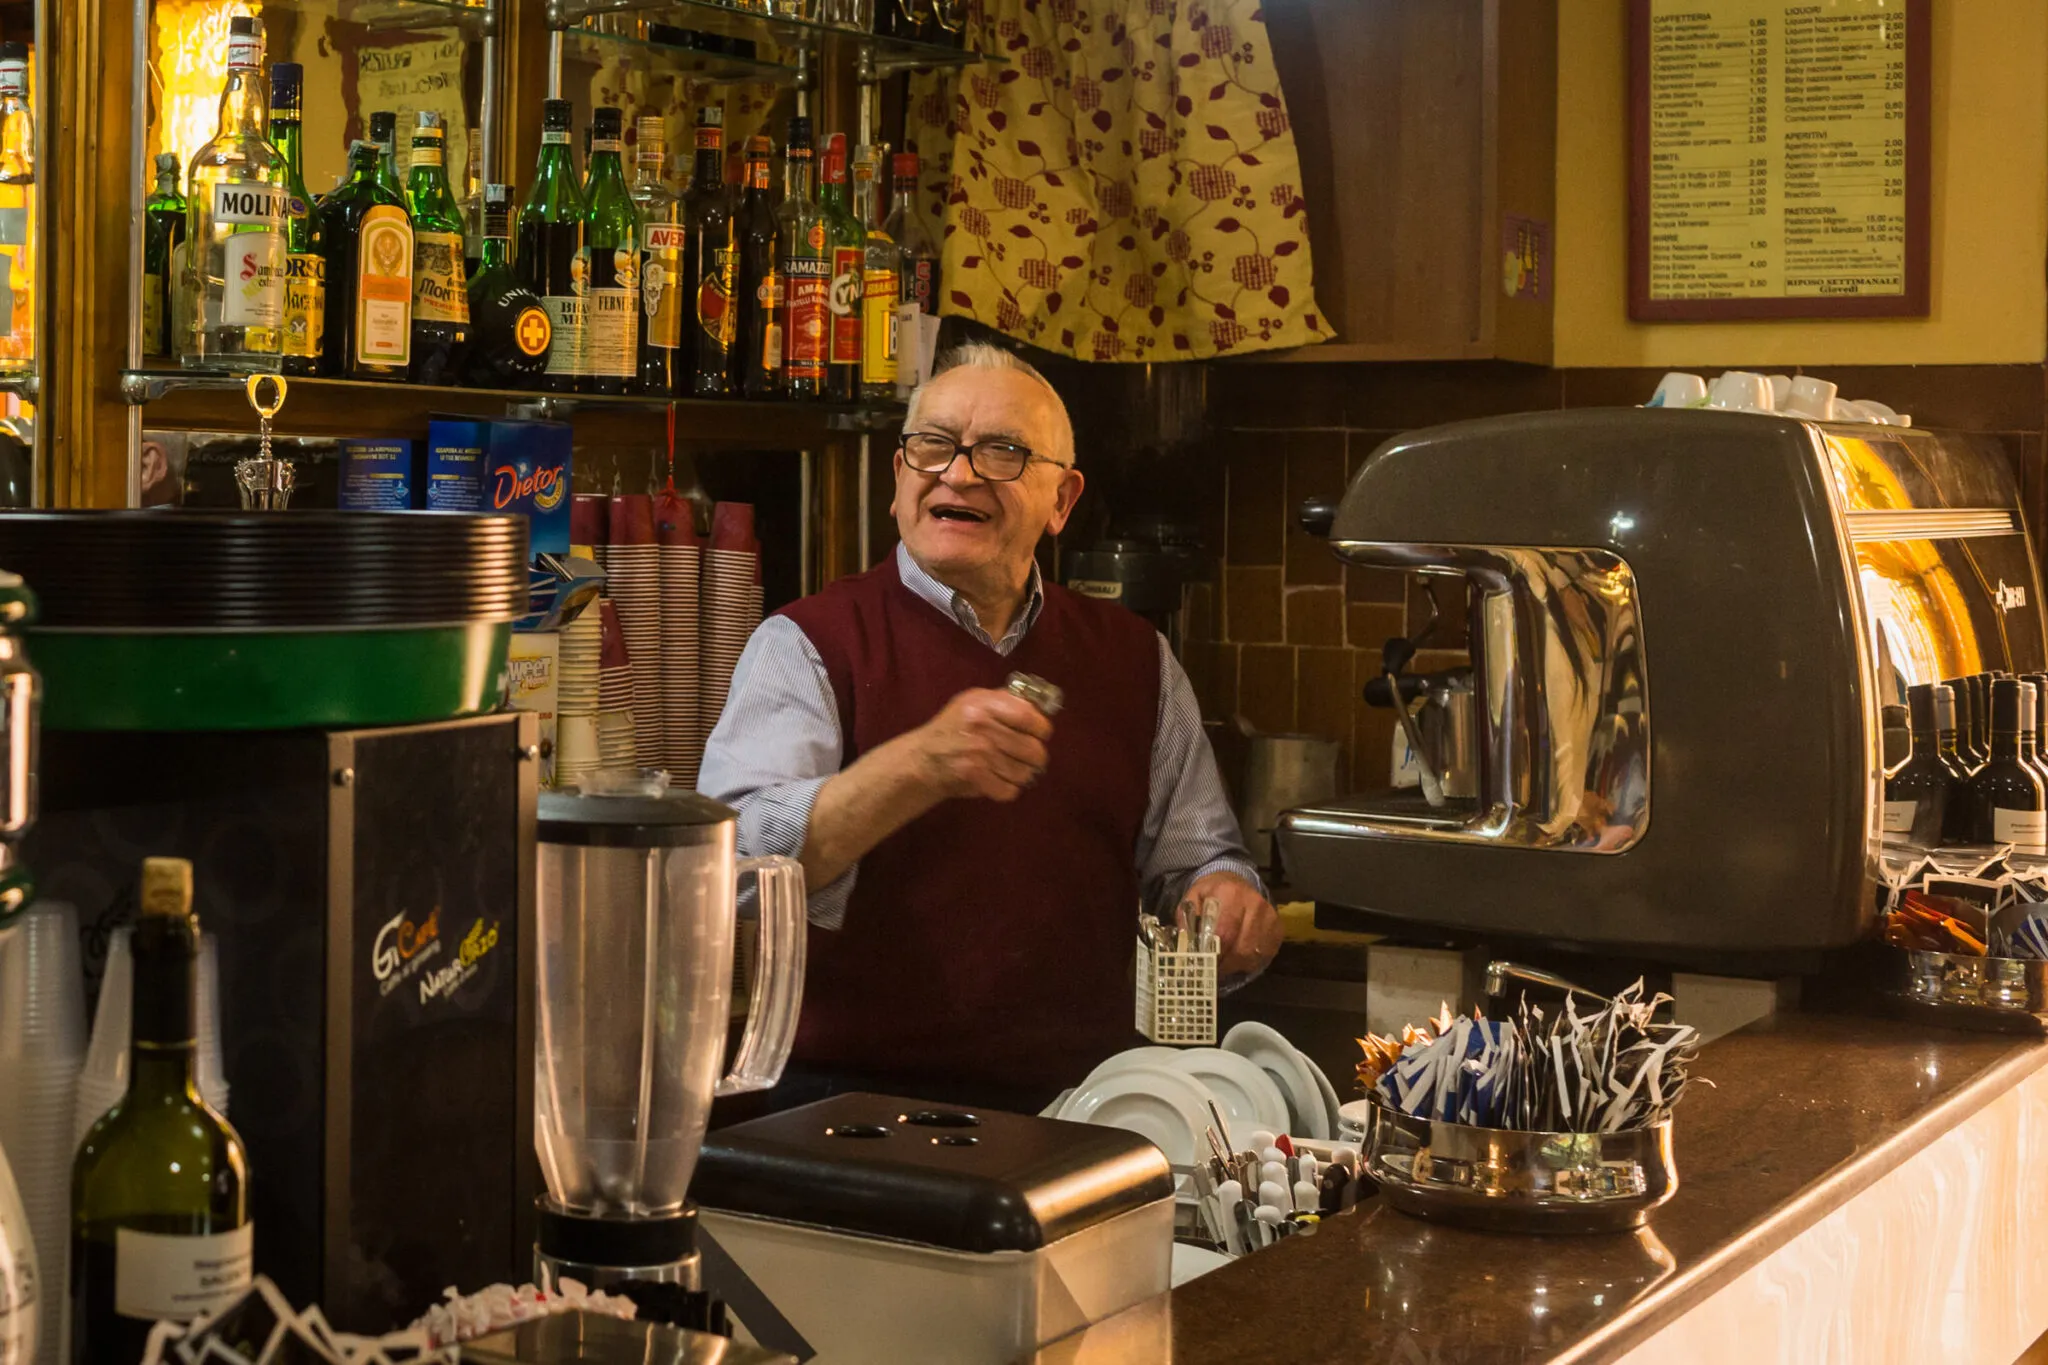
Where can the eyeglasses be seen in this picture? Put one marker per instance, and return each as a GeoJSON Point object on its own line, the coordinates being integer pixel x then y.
{"type": "Point", "coordinates": [929, 452]}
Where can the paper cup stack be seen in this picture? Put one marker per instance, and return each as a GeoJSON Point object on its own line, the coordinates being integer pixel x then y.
{"type": "Point", "coordinates": [682, 556]}
{"type": "Point", "coordinates": [617, 692]}
{"type": "Point", "coordinates": [576, 697]}
{"type": "Point", "coordinates": [731, 603]}
{"type": "Point", "coordinates": [42, 1048]}
{"type": "Point", "coordinates": [633, 572]}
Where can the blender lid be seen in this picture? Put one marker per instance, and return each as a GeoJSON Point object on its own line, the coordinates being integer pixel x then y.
{"type": "Point", "coordinates": [636, 821]}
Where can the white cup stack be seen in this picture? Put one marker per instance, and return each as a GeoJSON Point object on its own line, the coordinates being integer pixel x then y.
{"type": "Point", "coordinates": [682, 559]}
{"type": "Point", "coordinates": [576, 697]}
{"type": "Point", "coordinates": [731, 604]}
{"type": "Point", "coordinates": [633, 579]}
{"type": "Point", "coordinates": [42, 1048]}
{"type": "Point", "coordinates": [618, 697]}
{"type": "Point", "coordinates": [104, 1078]}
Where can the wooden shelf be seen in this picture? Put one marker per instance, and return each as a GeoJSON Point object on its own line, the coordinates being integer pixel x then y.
{"type": "Point", "coordinates": [883, 54]}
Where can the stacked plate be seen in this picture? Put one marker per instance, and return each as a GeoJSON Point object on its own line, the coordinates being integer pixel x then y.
{"type": "Point", "coordinates": [618, 690]}
{"type": "Point", "coordinates": [731, 604]}
{"type": "Point", "coordinates": [682, 558]}
{"type": "Point", "coordinates": [576, 697]}
{"type": "Point", "coordinates": [633, 574]}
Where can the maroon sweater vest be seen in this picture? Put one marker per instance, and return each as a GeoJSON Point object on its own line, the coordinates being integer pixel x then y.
{"type": "Point", "coordinates": [986, 941]}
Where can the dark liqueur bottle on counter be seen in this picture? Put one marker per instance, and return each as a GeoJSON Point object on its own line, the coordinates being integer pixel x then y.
{"type": "Point", "coordinates": [611, 249]}
{"type": "Point", "coordinates": [551, 246]}
{"type": "Point", "coordinates": [2004, 796]}
{"type": "Point", "coordinates": [1966, 724]}
{"type": "Point", "coordinates": [163, 229]}
{"type": "Point", "coordinates": [664, 293]}
{"type": "Point", "coordinates": [805, 261]}
{"type": "Point", "coordinates": [1980, 702]}
{"type": "Point", "coordinates": [848, 238]}
{"type": "Point", "coordinates": [305, 264]}
{"type": "Point", "coordinates": [160, 1222]}
{"type": "Point", "coordinates": [509, 332]}
{"type": "Point", "coordinates": [440, 289]}
{"type": "Point", "coordinates": [368, 239]}
{"type": "Point", "coordinates": [713, 266]}
{"type": "Point", "coordinates": [757, 358]}
{"type": "Point", "coordinates": [1918, 792]}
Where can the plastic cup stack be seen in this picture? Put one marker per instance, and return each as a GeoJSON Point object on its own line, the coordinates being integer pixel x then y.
{"type": "Point", "coordinates": [633, 575]}
{"type": "Point", "coordinates": [20, 1278]}
{"type": "Point", "coordinates": [42, 1048]}
{"type": "Point", "coordinates": [731, 604]}
{"type": "Point", "coordinates": [103, 1080]}
{"type": "Point", "coordinates": [618, 696]}
{"type": "Point", "coordinates": [682, 558]}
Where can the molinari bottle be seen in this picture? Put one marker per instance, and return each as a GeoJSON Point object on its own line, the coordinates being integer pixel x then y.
{"type": "Point", "coordinates": [757, 352]}
{"type": "Point", "coordinates": [2004, 796]}
{"type": "Point", "coordinates": [368, 238]}
{"type": "Point", "coordinates": [806, 267]}
{"type": "Point", "coordinates": [1918, 792]}
{"type": "Point", "coordinates": [235, 225]}
{"type": "Point", "coordinates": [611, 248]}
{"type": "Point", "coordinates": [509, 332]}
{"type": "Point", "coordinates": [160, 1186]}
{"type": "Point", "coordinates": [305, 274]}
{"type": "Point", "coordinates": [550, 258]}
{"type": "Point", "coordinates": [163, 230]}
{"type": "Point", "coordinates": [664, 291]}
{"type": "Point", "coordinates": [440, 290]}
{"type": "Point", "coordinates": [713, 265]}
{"type": "Point", "coordinates": [848, 239]}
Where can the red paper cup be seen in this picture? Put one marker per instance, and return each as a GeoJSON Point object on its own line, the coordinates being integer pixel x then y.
{"type": "Point", "coordinates": [732, 526]}
{"type": "Point", "coordinates": [675, 521]}
{"type": "Point", "coordinates": [632, 519]}
{"type": "Point", "coordinates": [613, 653]}
{"type": "Point", "coordinates": [589, 515]}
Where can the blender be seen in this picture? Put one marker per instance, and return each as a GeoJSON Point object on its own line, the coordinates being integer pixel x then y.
{"type": "Point", "coordinates": [637, 910]}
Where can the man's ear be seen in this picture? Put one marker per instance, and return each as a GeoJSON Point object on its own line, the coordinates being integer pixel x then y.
{"type": "Point", "coordinates": [1071, 484]}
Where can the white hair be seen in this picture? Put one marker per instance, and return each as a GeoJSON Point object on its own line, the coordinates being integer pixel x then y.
{"type": "Point", "coordinates": [980, 355]}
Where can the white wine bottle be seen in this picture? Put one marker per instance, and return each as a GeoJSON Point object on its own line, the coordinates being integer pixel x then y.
{"type": "Point", "coordinates": [160, 1189]}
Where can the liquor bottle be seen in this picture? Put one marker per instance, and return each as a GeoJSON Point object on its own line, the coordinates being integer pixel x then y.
{"type": "Point", "coordinates": [509, 331]}
{"type": "Point", "coordinates": [1966, 724]}
{"type": "Point", "coordinates": [18, 227]}
{"type": "Point", "coordinates": [2004, 796]}
{"type": "Point", "coordinates": [368, 239]}
{"type": "Point", "coordinates": [713, 264]}
{"type": "Point", "coordinates": [2030, 701]}
{"type": "Point", "coordinates": [235, 226]}
{"type": "Point", "coordinates": [163, 231]}
{"type": "Point", "coordinates": [757, 353]}
{"type": "Point", "coordinates": [881, 284]}
{"type": "Point", "coordinates": [473, 204]}
{"type": "Point", "coordinates": [847, 236]}
{"type": "Point", "coordinates": [160, 1223]}
{"type": "Point", "coordinates": [805, 264]}
{"type": "Point", "coordinates": [664, 292]}
{"type": "Point", "coordinates": [919, 270]}
{"type": "Point", "coordinates": [440, 288]}
{"type": "Point", "coordinates": [305, 264]}
{"type": "Point", "coordinates": [1917, 793]}
{"type": "Point", "coordinates": [2039, 758]}
{"type": "Point", "coordinates": [611, 250]}
{"type": "Point", "coordinates": [550, 258]}
{"type": "Point", "coordinates": [1980, 700]}
{"type": "Point", "coordinates": [384, 132]}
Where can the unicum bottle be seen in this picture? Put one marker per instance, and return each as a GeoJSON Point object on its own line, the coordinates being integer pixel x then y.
{"type": "Point", "coordinates": [235, 267]}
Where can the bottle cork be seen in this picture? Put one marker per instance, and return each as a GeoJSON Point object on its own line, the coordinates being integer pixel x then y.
{"type": "Point", "coordinates": [166, 886]}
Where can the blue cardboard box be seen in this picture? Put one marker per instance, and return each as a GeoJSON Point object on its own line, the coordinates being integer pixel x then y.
{"type": "Point", "coordinates": [455, 464]}
{"type": "Point", "coordinates": [526, 470]}
{"type": "Point", "coordinates": [376, 475]}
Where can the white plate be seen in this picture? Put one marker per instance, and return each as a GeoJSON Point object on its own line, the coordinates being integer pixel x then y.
{"type": "Point", "coordinates": [1167, 1108]}
{"type": "Point", "coordinates": [1246, 1094]}
{"type": "Point", "coordinates": [1353, 1120]}
{"type": "Point", "coordinates": [1289, 1069]}
{"type": "Point", "coordinates": [1130, 1057]}
{"type": "Point", "coordinates": [1330, 1101]}
{"type": "Point", "coordinates": [1191, 1262]}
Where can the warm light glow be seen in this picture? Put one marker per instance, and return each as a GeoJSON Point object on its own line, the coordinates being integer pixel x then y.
{"type": "Point", "coordinates": [191, 68]}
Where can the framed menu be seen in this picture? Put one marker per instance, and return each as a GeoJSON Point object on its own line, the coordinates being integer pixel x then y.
{"type": "Point", "coordinates": [1778, 163]}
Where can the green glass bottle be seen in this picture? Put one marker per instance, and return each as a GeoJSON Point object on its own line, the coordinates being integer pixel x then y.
{"type": "Point", "coordinates": [611, 250]}
{"type": "Point", "coordinates": [509, 332]}
{"type": "Point", "coordinates": [806, 267]}
{"type": "Point", "coordinates": [160, 1221]}
{"type": "Point", "coordinates": [384, 132]}
{"type": "Point", "coordinates": [440, 292]}
{"type": "Point", "coordinates": [162, 232]}
{"type": "Point", "coordinates": [305, 265]}
{"type": "Point", "coordinates": [847, 239]}
{"type": "Point", "coordinates": [549, 261]}
{"type": "Point", "coordinates": [368, 239]}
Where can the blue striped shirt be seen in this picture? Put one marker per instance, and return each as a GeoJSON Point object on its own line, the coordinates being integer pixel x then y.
{"type": "Point", "coordinates": [778, 742]}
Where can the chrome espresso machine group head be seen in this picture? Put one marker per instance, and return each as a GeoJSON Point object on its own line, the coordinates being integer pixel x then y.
{"type": "Point", "coordinates": [1683, 627]}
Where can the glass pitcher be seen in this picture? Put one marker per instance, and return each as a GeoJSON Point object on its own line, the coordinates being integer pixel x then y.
{"type": "Point", "coordinates": [637, 910]}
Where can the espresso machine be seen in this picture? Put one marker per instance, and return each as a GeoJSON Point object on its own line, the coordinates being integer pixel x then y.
{"type": "Point", "coordinates": [1684, 627]}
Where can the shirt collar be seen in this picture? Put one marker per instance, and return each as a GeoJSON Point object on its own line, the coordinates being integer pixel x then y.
{"type": "Point", "coordinates": [962, 611]}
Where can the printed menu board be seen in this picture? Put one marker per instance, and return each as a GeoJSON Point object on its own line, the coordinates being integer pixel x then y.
{"type": "Point", "coordinates": [1779, 159]}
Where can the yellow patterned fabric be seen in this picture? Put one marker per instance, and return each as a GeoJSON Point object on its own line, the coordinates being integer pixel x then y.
{"type": "Point", "coordinates": [1126, 188]}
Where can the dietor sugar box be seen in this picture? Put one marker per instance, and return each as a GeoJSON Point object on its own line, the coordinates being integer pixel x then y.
{"type": "Point", "coordinates": [526, 470]}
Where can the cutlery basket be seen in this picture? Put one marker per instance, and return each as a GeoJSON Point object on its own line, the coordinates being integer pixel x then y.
{"type": "Point", "coordinates": [1176, 996]}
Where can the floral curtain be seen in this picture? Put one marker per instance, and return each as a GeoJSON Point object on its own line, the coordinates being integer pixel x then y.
{"type": "Point", "coordinates": [1126, 188]}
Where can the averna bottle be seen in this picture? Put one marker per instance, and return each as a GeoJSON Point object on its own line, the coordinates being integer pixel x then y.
{"type": "Point", "coordinates": [1918, 792]}
{"type": "Point", "coordinates": [757, 350]}
{"type": "Point", "coordinates": [550, 258]}
{"type": "Point", "coordinates": [713, 264]}
{"type": "Point", "coordinates": [440, 289]}
{"type": "Point", "coordinates": [235, 226]}
{"type": "Point", "coordinates": [663, 289]}
{"type": "Point", "coordinates": [305, 272]}
{"type": "Point", "coordinates": [881, 284]}
{"type": "Point", "coordinates": [160, 1222]}
{"type": "Point", "coordinates": [848, 239]}
{"type": "Point", "coordinates": [2004, 796]}
{"type": "Point", "coordinates": [611, 249]}
{"type": "Point", "coordinates": [806, 267]}
{"type": "Point", "coordinates": [509, 332]}
{"type": "Point", "coordinates": [18, 226]}
{"type": "Point", "coordinates": [163, 229]}
{"type": "Point", "coordinates": [368, 238]}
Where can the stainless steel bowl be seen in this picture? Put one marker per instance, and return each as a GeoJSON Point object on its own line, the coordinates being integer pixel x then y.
{"type": "Point", "coordinates": [1508, 1180]}
{"type": "Point", "coordinates": [2001, 994]}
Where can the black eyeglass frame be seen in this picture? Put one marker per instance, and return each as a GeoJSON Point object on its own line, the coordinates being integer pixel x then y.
{"type": "Point", "coordinates": [1031, 456]}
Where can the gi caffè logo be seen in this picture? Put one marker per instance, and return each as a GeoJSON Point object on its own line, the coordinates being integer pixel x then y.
{"type": "Point", "coordinates": [402, 947]}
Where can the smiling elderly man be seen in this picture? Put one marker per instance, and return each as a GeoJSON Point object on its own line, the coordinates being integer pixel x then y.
{"type": "Point", "coordinates": [976, 868]}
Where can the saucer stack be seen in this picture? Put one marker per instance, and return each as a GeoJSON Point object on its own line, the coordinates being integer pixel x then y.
{"type": "Point", "coordinates": [617, 687]}
{"type": "Point", "coordinates": [633, 576]}
{"type": "Point", "coordinates": [682, 558]}
{"type": "Point", "coordinates": [576, 697]}
{"type": "Point", "coordinates": [731, 601]}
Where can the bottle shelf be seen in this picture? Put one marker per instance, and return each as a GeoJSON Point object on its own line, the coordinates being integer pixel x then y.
{"type": "Point", "coordinates": [676, 59]}
{"type": "Point", "coordinates": [473, 17]}
{"type": "Point", "coordinates": [885, 55]}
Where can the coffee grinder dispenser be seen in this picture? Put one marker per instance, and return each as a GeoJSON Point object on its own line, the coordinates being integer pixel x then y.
{"type": "Point", "coordinates": [1684, 625]}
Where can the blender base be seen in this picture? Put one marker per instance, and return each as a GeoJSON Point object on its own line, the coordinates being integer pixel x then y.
{"type": "Point", "coordinates": [653, 1261]}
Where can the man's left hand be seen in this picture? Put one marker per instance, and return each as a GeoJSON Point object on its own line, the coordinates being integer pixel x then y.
{"type": "Point", "coordinates": [1246, 926]}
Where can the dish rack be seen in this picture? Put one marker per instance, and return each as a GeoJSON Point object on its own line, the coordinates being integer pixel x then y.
{"type": "Point", "coordinates": [1176, 996]}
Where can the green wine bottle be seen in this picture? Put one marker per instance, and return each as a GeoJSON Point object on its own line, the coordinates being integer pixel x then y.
{"type": "Point", "coordinates": [440, 294]}
{"type": "Point", "coordinates": [550, 257]}
{"type": "Point", "coordinates": [163, 229]}
{"type": "Point", "coordinates": [611, 246]}
{"type": "Point", "coordinates": [160, 1187]}
{"type": "Point", "coordinates": [305, 278]}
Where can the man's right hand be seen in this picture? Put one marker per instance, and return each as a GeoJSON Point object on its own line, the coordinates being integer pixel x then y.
{"type": "Point", "coordinates": [985, 743]}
